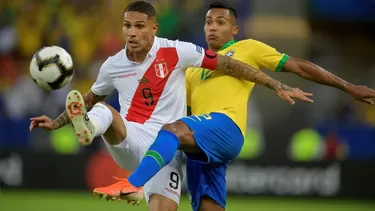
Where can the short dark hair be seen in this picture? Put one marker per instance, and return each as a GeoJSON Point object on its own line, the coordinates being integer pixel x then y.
{"type": "Point", "coordinates": [141, 7]}
{"type": "Point", "coordinates": [225, 4]}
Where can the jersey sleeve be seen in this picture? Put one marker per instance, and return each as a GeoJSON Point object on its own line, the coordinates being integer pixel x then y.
{"type": "Point", "coordinates": [103, 85]}
{"type": "Point", "coordinates": [191, 55]}
{"type": "Point", "coordinates": [267, 56]}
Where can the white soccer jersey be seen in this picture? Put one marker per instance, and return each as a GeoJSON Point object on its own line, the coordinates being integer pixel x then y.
{"type": "Point", "coordinates": [151, 94]}
{"type": "Point", "coordinates": [154, 91]}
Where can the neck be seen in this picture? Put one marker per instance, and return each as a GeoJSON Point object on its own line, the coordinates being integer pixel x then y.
{"type": "Point", "coordinates": [214, 49]}
{"type": "Point", "coordinates": [141, 55]}
{"type": "Point", "coordinates": [223, 46]}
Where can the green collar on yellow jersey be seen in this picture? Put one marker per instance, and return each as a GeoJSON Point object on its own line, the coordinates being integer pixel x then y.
{"type": "Point", "coordinates": [206, 74]}
{"type": "Point", "coordinates": [226, 45]}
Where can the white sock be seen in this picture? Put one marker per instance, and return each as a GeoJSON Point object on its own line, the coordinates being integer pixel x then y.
{"type": "Point", "coordinates": [101, 118]}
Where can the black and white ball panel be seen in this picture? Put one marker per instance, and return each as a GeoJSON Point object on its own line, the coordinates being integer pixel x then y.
{"type": "Point", "coordinates": [51, 67]}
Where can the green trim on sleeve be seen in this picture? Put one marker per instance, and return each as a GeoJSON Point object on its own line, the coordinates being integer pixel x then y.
{"type": "Point", "coordinates": [282, 63]}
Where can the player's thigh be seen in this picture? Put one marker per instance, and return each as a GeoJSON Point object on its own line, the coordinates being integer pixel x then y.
{"type": "Point", "coordinates": [117, 131]}
{"type": "Point", "coordinates": [209, 204]}
{"type": "Point", "coordinates": [163, 191]}
{"type": "Point", "coordinates": [126, 154]}
{"type": "Point", "coordinates": [206, 184]}
{"type": "Point", "coordinates": [217, 136]}
{"type": "Point", "coordinates": [123, 156]}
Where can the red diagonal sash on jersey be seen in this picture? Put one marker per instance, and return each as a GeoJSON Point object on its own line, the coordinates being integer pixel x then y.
{"type": "Point", "coordinates": [151, 85]}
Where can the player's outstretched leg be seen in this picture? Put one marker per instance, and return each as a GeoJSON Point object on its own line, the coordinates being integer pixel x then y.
{"type": "Point", "coordinates": [102, 119]}
{"type": "Point", "coordinates": [161, 152]}
{"type": "Point", "coordinates": [208, 138]}
{"type": "Point", "coordinates": [170, 138]}
{"type": "Point", "coordinates": [206, 184]}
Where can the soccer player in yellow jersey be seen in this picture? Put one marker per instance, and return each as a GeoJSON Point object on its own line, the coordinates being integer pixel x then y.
{"type": "Point", "coordinates": [212, 98]}
{"type": "Point", "coordinates": [214, 134]}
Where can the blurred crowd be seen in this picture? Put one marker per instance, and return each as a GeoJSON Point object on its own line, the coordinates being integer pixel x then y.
{"type": "Point", "coordinates": [91, 31]}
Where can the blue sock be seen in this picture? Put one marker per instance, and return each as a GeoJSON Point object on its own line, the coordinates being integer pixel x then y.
{"type": "Point", "coordinates": [160, 153]}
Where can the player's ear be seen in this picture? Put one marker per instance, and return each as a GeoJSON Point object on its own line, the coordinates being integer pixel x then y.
{"type": "Point", "coordinates": [235, 30]}
{"type": "Point", "coordinates": [155, 28]}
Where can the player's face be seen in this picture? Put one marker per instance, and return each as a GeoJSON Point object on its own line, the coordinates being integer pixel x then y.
{"type": "Point", "coordinates": [219, 28]}
{"type": "Point", "coordinates": [138, 30]}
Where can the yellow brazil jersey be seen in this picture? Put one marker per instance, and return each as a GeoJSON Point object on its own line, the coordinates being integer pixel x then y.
{"type": "Point", "coordinates": [209, 91]}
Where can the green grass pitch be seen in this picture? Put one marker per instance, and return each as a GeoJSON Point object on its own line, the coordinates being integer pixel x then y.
{"type": "Point", "coordinates": [84, 201]}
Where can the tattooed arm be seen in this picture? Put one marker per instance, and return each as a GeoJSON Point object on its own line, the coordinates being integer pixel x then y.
{"type": "Point", "coordinates": [241, 70]}
{"type": "Point", "coordinates": [47, 123]}
{"type": "Point", "coordinates": [90, 100]}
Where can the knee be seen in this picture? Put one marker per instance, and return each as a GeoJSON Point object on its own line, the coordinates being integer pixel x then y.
{"type": "Point", "coordinates": [180, 129]}
{"type": "Point", "coordinates": [100, 104]}
{"type": "Point", "coordinates": [184, 135]}
{"type": "Point", "coordinates": [171, 127]}
{"type": "Point", "coordinates": [116, 131]}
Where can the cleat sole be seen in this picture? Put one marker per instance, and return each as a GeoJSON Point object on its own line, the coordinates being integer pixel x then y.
{"type": "Point", "coordinates": [116, 198]}
{"type": "Point", "coordinates": [75, 107]}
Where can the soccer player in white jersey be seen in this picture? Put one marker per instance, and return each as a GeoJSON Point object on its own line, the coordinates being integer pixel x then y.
{"type": "Point", "coordinates": [150, 79]}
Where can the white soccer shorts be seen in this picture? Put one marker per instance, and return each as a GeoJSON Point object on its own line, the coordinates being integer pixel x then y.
{"type": "Point", "coordinates": [167, 182]}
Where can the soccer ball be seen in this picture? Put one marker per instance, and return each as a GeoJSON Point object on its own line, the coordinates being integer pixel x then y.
{"type": "Point", "coordinates": [51, 68]}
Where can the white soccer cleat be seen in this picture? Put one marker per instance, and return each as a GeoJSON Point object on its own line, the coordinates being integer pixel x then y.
{"type": "Point", "coordinates": [76, 109]}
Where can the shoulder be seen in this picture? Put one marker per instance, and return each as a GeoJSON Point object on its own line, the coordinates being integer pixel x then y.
{"type": "Point", "coordinates": [256, 45]}
{"type": "Point", "coordinates": [167, 43]}
{"type": "Point", "coordinates": [114, 60]}
{"type": "Point", "coordinates": [249, 42]}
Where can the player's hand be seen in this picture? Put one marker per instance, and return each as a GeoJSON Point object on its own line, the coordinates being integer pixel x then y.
{"type": "Point", "coordinates": [43, 122]}
{"type": "Point", "coordinates": [363, 94]}
{"type": "Point", "coordinates": [289, 94]}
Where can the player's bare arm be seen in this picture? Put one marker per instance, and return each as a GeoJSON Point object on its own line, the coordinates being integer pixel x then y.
{"type": "Point", "coordinates": [241, 70]}
{"type": "Point", "coordinates": [313, 72]}
{"type": "Point", "coordinates": [90, 100]}
{"type": "Point", "coordinates": [49, 124]}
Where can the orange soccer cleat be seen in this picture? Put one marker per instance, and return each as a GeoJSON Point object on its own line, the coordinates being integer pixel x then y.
{"type": "Point", "coordinates": [122, 190]}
